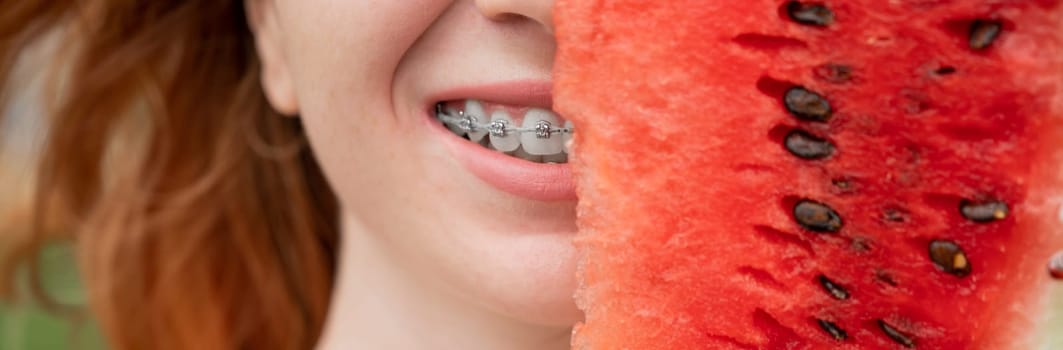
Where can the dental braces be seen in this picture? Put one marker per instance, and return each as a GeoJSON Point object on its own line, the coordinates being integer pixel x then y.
{"type": "Point", "coordinates": [498, 128]}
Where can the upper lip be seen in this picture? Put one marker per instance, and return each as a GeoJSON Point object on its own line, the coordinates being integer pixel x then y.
{"type": "Point", "coordinates": [544, 182]}
{"type": "Point", "coordinates": [524, 93]}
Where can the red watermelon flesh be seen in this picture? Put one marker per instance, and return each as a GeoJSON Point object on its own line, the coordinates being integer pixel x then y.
{"type": "Point", "coordinates": [862, 174]}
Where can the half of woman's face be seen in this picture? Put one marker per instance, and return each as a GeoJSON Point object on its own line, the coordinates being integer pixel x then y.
{"type": "Point", "coordinates": [491, 222]}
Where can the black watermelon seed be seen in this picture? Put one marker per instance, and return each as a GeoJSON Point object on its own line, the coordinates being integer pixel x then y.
{"type": "Point", "coordinates": [835, 290]}
{"type": "Point", "coordinates": [986, 211]}
{"type": "Point", "coordinates": [807, 146]}
{"type": "Point", "coordinates": [807, 105]}
{"type": "Point", "coordinates": [810, 14]}
{"type": "Point", "coordinates": [946, 70]}
{"type": "Point", "coordinates": [896, 335]}
{"type": "Point", "coordinates": [949, 257]}
{"type": "Point", "coordinates": [983, 33]}
{"type": "Point", "coordinates": [1055, 266]}
{"type": "Point", "coordinates": [833, 329]}
{"type": "Point", "coordinates": [834, 73]}
{"type": "Point", "coordinates": [817, 217]}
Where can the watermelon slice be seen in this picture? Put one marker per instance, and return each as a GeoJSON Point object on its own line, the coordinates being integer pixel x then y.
{"type": "Point", "coordinates": [860, 174]}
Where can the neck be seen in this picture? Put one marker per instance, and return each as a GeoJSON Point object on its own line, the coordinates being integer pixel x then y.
{"type": "Point", "coordinates": [378, 304]}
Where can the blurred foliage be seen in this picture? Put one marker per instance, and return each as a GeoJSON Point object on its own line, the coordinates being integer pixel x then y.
{"type": "Point", "coordinates": [26, 325]}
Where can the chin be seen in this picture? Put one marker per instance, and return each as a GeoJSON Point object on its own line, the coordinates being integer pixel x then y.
{"type": "Point", "coordinates": [533, 280]}
{"type": "Point", "coordinates": [510, 173]}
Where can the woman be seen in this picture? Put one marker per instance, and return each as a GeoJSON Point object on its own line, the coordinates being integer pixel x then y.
{"type": "Point", "coordinates": [273, 174]}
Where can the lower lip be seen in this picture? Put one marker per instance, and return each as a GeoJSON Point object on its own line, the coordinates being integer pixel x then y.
{"type": "Point", "coordinates": [536, 181]}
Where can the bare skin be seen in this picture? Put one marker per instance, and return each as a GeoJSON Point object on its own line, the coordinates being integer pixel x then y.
{"type": "Point", "coordinates": [432, 257]}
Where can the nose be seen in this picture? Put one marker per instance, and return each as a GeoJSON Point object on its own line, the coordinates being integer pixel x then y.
{"type": "Point", "coordinates": [540, 11]}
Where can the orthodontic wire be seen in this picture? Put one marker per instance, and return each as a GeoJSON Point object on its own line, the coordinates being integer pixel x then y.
{"type": "Point", "coordinates": [498, 128]}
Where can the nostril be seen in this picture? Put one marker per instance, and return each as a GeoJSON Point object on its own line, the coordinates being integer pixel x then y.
{"type": "Point", "coordinates": [507, 17]}
{"type": "Point", "coordinates": [539, 11]}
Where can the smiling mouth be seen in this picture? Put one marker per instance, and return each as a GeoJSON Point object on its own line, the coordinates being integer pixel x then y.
{"type": "Point", "coordinates": [533, 134]}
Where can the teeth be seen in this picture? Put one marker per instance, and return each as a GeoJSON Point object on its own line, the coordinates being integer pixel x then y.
{"type": "Point", "coordinates": [475, 109]}
{"type": "Point", "coordinates": [534, 139]}
{"type": "Point", "coordinates": [566, 137]}
{"type": "Point", "coordinates": [454, 128]}
{"type": "Point", "coordinates": [510, 141]}
{"type": "Point", "coordinates": [532, 142]}
{"type": "Point", "coordinates": [522, 154]}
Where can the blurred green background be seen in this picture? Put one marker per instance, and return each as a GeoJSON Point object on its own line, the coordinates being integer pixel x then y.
{"type": "Point", "coordinates": [28, 326]}
{"type": "Point", "coordinates": [25, 325]}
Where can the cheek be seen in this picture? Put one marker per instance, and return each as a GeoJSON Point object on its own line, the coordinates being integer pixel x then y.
{"type": "Point", "coordinates": [343, 58]}
{"type": "Point", "coordinates": [400, 186]}
{"type": "Point", "coordinates": [342, 55]}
